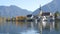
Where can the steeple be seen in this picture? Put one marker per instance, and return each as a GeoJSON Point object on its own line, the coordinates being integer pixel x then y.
{"type": "Point", "coordinates": [40, 8]}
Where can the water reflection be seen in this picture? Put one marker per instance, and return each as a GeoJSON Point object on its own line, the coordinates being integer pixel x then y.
{"type": "Point", "coordinates": [57, 26]}
{"type": "Point", "coordinates": [30, 27]}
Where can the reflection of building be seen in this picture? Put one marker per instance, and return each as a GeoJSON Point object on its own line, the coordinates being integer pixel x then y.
{"type": "Point", "coordinates": [52, 25]}
{"type": "Point", "coordinates": [20, 23]}
{"type": "Point", "coordinates": [23, 24]}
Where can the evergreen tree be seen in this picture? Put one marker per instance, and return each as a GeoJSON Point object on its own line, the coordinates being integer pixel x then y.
{"type": "Point", "coordinates": [57, 14]}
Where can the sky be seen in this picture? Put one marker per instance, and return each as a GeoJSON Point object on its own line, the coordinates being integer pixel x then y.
{"type": "Point", "coordinates": [30, 5]}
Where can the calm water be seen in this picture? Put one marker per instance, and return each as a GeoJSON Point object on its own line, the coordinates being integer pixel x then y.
{"type": "Point", "coordinates": [28, 28]}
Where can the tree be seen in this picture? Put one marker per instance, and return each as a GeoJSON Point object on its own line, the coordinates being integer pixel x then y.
{"type": "Point", "coordinates": [57, 14]}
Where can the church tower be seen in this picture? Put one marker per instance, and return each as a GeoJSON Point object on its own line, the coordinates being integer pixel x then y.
{"type": "Point", "coordinates": [40, 11]}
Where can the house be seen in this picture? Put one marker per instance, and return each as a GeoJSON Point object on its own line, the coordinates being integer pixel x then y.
{"type": "Point", "coordinates": [30, 18]}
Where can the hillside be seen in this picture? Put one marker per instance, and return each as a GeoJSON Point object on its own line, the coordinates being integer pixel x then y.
{"type": "Point", "coordinates": [50, 7]}
{"type": "Point", "coordinates": [12, 11]}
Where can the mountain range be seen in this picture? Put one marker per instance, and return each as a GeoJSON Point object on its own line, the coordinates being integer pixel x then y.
{"type": "Point", "coordinates": [13, 11]}
{"type": "Point", "coordinates": [53, 6]}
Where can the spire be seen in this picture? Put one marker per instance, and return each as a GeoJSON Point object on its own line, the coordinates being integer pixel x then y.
{"type": "Point", "coordinates": [40, 10]}
{"type": "Point", "coordinates": [40, 7]}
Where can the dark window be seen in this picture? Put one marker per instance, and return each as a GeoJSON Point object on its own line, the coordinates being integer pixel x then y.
{"type": "Point", "coordinates": [29, 15]}
{"type": "Point", "coordinates": [46, 14]}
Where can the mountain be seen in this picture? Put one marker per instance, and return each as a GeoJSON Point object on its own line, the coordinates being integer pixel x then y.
{"type": "Point", "coordinates": [50, 7]}
{"type": "Point", "coordinates": [12, 11]}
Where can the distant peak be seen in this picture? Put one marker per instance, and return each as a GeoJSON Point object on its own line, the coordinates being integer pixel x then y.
{"type": "Point", "coordinates": [13, 6]}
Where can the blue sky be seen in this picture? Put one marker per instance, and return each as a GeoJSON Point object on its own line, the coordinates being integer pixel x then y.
{"type": "Point", "coordinates": [30, 5]}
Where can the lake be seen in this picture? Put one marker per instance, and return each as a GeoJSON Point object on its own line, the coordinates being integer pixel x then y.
{"type": "Point", "coordinates": [29, 28]}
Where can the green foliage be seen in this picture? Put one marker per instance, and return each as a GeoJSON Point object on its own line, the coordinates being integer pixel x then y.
{"type": "Point", "coordinates": [57, 13]}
